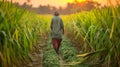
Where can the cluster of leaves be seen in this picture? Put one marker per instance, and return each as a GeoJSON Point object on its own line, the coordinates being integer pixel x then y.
{"type": "Point", "coordinates": [69, 54]}
{"type": "Point", "coordinates": [67, 51]}
{"type": "Point", "coordinates": [50, 58]}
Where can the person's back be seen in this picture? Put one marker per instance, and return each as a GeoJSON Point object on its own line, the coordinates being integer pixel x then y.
{"type": "Point", "coordinates": [57, 25]}
{"type": "Point", "coordinates": [57, 29]}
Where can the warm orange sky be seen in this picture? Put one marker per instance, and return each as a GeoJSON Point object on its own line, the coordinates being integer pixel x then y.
{"type": "Point", "coordinates": [57, 3]}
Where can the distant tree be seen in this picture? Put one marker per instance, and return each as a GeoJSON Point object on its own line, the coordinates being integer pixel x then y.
{"type": "Point", "coordinates": [28, 0]}
{"type": "Point", "coordinates": [54, 8]}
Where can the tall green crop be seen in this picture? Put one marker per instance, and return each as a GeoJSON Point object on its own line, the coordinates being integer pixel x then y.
{"type": "Point", "coordinates": [19, 31]}
{"type": "Point", "coordinates": [96, 30]}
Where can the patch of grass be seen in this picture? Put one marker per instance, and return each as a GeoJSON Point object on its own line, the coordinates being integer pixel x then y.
{"type": "Point", "coordinates": [50, 58]}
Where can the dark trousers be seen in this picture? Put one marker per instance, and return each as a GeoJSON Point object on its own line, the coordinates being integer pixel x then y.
{"type": "Point", "coordinates": [56, 44]}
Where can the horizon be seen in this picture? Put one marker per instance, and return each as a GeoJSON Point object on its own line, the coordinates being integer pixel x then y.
{"type": "Point", "coordinates": [57, 4]}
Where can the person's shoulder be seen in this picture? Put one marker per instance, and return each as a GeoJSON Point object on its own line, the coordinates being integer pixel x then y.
{"type": "Point", "coordinates": [53, 17]}
{"type": "Point", "coordinates": [59, 17]}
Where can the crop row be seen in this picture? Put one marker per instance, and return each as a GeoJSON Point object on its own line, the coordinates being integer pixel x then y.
{"type": "Point", "coordinates": [18, 33]}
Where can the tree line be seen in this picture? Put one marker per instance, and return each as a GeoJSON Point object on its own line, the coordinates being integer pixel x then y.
{"type": "Point", "coordinates": [70, 8]}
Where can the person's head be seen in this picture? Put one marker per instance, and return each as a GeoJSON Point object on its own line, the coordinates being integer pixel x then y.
{"type": "Point", "coordinates": [56, 13]}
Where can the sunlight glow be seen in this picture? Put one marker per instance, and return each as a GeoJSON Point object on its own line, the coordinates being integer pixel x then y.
{"type": "Point", "coordinates": [36, 3]}
{"type": "Point", "coordinates": [56, 3]}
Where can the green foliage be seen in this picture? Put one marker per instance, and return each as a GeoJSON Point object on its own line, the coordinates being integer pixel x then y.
{"type": "Point", "coordinates": [92, 31]}
{"type": "Point", "coordinates": [50, 58]}
{"type": "Point", "coordinates": [19, 31]}
{"type": "Point", "coordinates": [97, 29]}
{"type": "Point", "coordinates": [67, 51]}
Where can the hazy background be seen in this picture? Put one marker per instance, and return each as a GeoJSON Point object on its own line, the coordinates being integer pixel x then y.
{"type": "Point", "coordinates": [63, 6]}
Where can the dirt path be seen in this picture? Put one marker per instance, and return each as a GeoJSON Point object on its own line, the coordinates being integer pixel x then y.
{"type": "Point", "coordinates": [61, 61]}
{"type": "Point", "coordinates": [36, 56]}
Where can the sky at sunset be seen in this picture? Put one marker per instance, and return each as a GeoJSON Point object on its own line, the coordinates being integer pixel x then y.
{"type": "Point", "coordinates": [57, 3]}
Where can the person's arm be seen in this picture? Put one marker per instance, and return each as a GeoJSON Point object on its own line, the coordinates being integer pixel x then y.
{"type": "Point", "coordinates": [51, 25]}
{"type": "Point", "coordinates": [62, 26]}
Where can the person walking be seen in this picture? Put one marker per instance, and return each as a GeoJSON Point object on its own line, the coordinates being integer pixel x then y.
{"type": "Point", "coordinates": [57, 28]}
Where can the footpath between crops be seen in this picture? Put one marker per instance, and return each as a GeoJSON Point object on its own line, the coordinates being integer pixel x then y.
{"type": "Point", "coordinates": [43, 55]}
{"type": "Point", "coordinates": [36, 56]}
{"type": "Point", "coordinates": [67, 56]}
